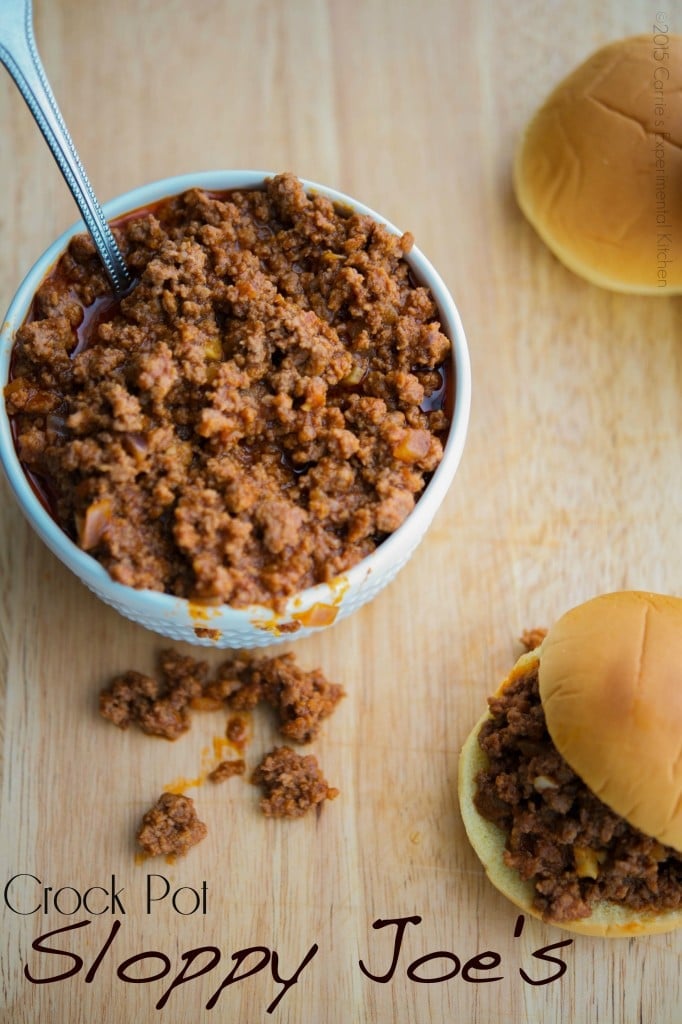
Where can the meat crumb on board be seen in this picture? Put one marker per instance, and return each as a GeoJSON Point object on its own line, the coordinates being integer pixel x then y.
{"type": "Point", "coordinates": [532, 638]}
{"type": "Point", "coordinates": [292, 783]}
{"type": "Point", "coordinates": [171, 826]}
{"type": "Point", "coordinates": [301, 699]}
{"type": "Point", "coordinates": [161, 706]}
{"type": "Point", "coordinates": [227, 770]}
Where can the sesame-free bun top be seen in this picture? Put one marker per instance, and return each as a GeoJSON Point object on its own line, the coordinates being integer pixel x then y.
{"type": "Point", "coordinates": [598, 171]}
{"type": "Point", "coordinates": [610, 682]}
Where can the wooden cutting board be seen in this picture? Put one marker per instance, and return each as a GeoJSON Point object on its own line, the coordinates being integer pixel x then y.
{"type": "Point", "coordinates": [375, 910]}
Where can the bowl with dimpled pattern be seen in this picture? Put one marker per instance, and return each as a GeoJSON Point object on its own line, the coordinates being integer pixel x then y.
{"type": "Point", "coordinates": [197, 620]}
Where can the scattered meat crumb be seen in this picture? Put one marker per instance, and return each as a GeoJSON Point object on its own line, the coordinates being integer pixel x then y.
{"type": "Point", "coordinates": [237, 731]}
{"type": "Point", "coordinates": [292, 783]}
{"type": "Point", "coordinates": [532, 638]}
{"type": "Point", "coordinates": [302, 699]}
{"type": "Point", "coordinates": [227, 769]}
{"type": "Point", "coordinates": [160, 707]}
{"type": "Point", "coordinates": [171, 826]}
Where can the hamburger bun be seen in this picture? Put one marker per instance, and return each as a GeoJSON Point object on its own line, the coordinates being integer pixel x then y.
{"type": "Point", "coordinates": [598, 170]}
{"type": "Point", "coordinates": [610, 682]}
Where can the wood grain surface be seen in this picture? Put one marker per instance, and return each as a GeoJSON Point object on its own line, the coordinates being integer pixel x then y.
{"type": "Point", "coordinates": [570, 485]}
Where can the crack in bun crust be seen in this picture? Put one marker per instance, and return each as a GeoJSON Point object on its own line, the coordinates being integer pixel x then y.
{"type": "Point", "coordinates": [598, 170]}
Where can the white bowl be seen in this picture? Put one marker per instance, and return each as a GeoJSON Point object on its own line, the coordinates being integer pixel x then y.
{"type": "Point", "coordinates": [312, 609]}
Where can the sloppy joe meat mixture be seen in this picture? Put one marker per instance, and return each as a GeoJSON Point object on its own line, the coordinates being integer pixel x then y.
{"type": "Point", "coordinates": [227, 770]}
{"type": "Point", "coordinates": [571, 845]}
{"type": "Point", "coordinates": [161, 705]}
{"type": "Point", "coordinates": [292, 783]}
{"type": "Point", "coordinates": [171, 826]}
{"type": "Point", "coordinates": [255, 416]}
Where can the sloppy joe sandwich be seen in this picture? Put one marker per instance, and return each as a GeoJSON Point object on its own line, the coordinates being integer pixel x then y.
{"type": "Point", "coordinates": [570, 785]}
{"type": "Point", "coordinates": [598, 171]}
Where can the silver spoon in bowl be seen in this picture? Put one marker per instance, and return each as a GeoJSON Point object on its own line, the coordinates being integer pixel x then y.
{"type": "Point", "coordinates": [19, 54]}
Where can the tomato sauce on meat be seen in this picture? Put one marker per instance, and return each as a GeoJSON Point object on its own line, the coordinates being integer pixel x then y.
{"type": "Point", "coordinates": [255, 416]}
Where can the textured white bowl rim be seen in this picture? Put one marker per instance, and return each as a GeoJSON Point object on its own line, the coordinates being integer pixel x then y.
{"type": "Point", "coordinates": [142, 605]}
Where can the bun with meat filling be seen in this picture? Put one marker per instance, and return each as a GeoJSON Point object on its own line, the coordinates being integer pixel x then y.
{"type": "Point", "coordinates": [570, 785]}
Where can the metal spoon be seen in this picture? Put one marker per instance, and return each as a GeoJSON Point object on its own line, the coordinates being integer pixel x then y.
{"type": "Point", "coordinates": [19, 54]}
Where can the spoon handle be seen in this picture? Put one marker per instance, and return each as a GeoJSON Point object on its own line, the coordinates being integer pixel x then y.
{"type": "Point", "coordinates": [19, 54]}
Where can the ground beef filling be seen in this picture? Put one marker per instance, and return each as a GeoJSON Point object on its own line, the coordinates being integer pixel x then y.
{"type": "Point", "coordinates": [255, 417]}
{"type": "Point", "coordinates": [574, 849]}
{"type": "Point", "coordinates": [162, 705]}
{"type": "Point", "coordinates": [170, 827]}
{"type": "Point", "coordinates": [292, 784]}
{"type": "Point", "coordinates": [159, 706]}
{"type": "Point", "coordinates": [227, 770]}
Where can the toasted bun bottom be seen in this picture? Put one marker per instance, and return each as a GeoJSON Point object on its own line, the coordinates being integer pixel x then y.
{"type": "Point", "coordinates": [607, 919]}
